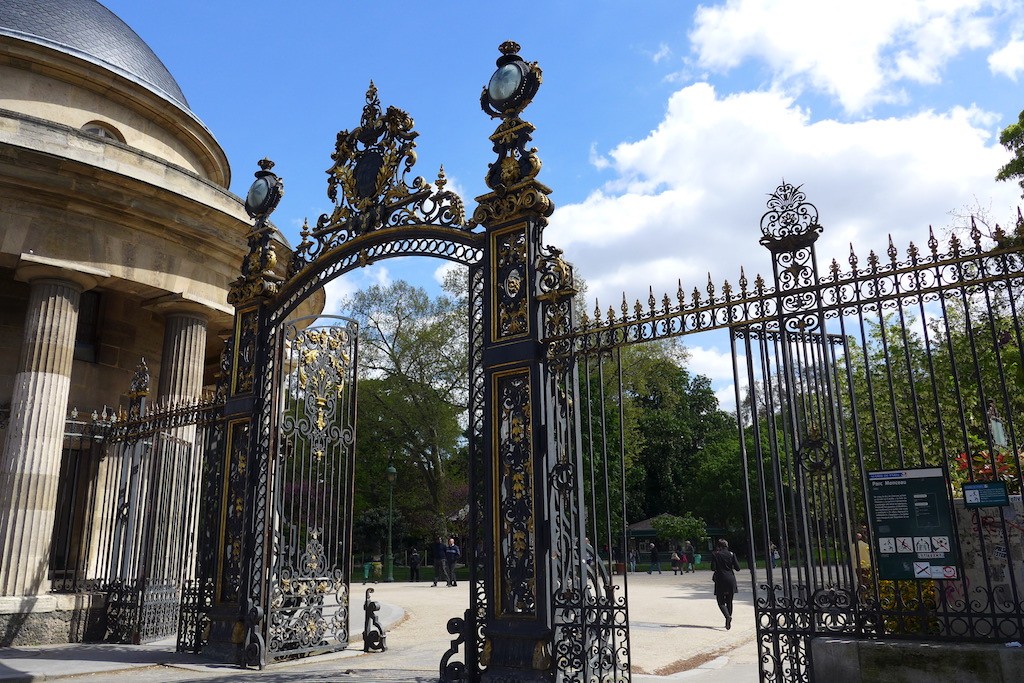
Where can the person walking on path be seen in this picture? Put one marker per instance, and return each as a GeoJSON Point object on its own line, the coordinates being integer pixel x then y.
{"type": "Point", "coordinates": [451, 556]}
{"type": "Point", "coordinates": [633, 560]}
{"type": "Point", "coordinates": [724, 566]}
{"type": "Point", "coordinates": [414, 565]}
{"type": "Point", "coordinates": [437, 555]}
{"type": "Point", "coordinates": [655, 562]}
{"type": "Point", "coordinates": [688, 557]}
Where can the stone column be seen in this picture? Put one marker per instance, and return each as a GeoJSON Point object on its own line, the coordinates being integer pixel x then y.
{"type": "Point", "coordinates": [180, 382]}
{"type": "Point", "coordinates": [184, 356]}
{"type": "Point", "coordinates": [31, 459]}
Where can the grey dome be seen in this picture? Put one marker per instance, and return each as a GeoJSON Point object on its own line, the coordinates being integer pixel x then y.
{"type": "Point", "coordinates": [88, 30]}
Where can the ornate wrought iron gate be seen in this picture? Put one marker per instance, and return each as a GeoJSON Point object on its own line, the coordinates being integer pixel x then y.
{"type": "Point", "coordinates": [158, 456]}
{"type": "Point", "coordinates": [128, 508]}
{"type": "Point", "coordinates": [289, 571]}
{"type": "Point", "coordinates": [887, 366]}
{"type": "Point", "coordinates": [846, 372]}
{"type": "Point", "coordinates": [309, 484]}
{"type": "Point", "coordinates": [539, 603]}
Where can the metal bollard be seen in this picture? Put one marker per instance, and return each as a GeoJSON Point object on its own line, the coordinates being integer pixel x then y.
{"type": "Point", "coordinates": [374, 638]}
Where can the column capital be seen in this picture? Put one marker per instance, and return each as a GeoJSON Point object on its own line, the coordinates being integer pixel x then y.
{"type": "Point", "coordinates": [32, 267]}
{"type": "Point", "coordinates": [183, 303]}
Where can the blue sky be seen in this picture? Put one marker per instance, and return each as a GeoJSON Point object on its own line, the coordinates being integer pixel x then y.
{"type": "Point", "coordinates": [662, 125]}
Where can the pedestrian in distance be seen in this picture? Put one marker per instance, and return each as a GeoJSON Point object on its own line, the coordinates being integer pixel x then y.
{"type": "Point", "coordinates": [437, 555]}
{"type": "Point", "coordinates": [633, 558]}
{"type": "Point", "coordinates": [414, 565]}
{"type": "Point", "coordinates": [724, 566]}
{"type": "Point", "coordinates": [688, 552]}
{"type": "Point", "coordinates": [452, 553]}
{"type": "Point", "coordinates": [655, 561]}
{"type": "Point", "coordinates": [675, 562]}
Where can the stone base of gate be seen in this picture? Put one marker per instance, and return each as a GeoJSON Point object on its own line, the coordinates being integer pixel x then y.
{"type": "Point", "coordinates": [226, 635]}
{"type": "Point", "coordinates": [865, 661]}
{"type": "Point", "coordinates": [51, 619]}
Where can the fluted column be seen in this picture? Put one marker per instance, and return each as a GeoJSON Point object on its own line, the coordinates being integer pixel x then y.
{"type": "Point", "coordinates": [184, 356]}
{"type": "Point", "coordinates": [181, 381]}
{"type": "Point", "coordinates": [31, 459]}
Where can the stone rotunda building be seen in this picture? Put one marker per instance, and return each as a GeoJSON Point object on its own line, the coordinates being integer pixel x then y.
{"type": "Point", "coordinates": [118, 242]}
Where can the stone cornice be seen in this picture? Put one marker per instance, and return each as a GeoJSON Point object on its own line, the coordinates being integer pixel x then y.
{"type": "Point", "coordinates": [32, 267]}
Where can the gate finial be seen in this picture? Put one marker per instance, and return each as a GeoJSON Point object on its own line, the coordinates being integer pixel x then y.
{"type": "Point", "coordinates": [791, 222]}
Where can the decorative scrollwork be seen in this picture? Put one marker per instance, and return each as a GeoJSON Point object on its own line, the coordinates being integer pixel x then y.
{"type": "Point", "coordinates": [790, 222]}
{"type": "Point", "coordinates": [555, 275]}
{"type": "Point", "coordinates": [512, 295]}
{"type": "Point", "coordinates": [453, 672]}
{"type": "Point", "coordinates": [525, 198]}
{"type": "Point", "coordinates": [367, 182]}
{"type": "Point", "coordinates": [234, 514]}
{"type": "Point", "coordinates": [243, 362]}
{"type": "Point", "coordinates": [514, 423]}
{"type": "Point", "coordinates": [834, 608]}
{"type": "Point", "coordinates": [816, 455]}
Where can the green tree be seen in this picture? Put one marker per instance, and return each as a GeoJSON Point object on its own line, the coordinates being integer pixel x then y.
{"type": "Point", "coordinates": [413, 389]}
{"type": "Point", "coordinates": [675, 529]}
{"type": "Point", "coordinates": [681, 451]}
{"type": "Point", "coordinates": [370, 530]}
{"type": "Point", "coordinates": [678, 418]}
{"type": "Point", "coordinates": [1012, 138]}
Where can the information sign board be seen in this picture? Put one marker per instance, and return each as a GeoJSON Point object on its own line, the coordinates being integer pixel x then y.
{"type": "Point", "coordinates": [985, 494]}
{"type": "Point", "coordinates": [913, 526]}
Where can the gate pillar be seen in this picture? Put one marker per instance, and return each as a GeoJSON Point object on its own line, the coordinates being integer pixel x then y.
{"type": "Point", "coordinates": [517, 628]}
{"type": "Point", "coordinates": [223, 570]}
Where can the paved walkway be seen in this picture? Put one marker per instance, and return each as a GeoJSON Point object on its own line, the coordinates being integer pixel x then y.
{"type": "Point", "coordinates": [676, 634]}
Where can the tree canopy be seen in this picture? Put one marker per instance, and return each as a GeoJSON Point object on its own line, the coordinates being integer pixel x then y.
{"type": "Point", "coordinates": [413, 390]}
{"type": "Point", "coordinates": [1012, 138]}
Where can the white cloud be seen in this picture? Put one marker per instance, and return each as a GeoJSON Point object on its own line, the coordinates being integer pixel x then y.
{"type": "Point", "coordinates": [446, 267]}
{"type": "Point", "coordinates": [336, 291]}
{"type": "Point", "coordinates": [664, 52]}
{"type": "Point", "coordinates": [687, 199]}
{"type": "Point", "coordinates": [596, 159]}
{"type": "Point", "coordinates": [726, 395]}
{"type": "Point", "coordinates": [1008, 60]}
{"type": "Point", "coordinates": [339, 289]}
{"type": "Point", "coordinates": [711, 362]}
{"type": "Point", "coordinates": [857, 52]}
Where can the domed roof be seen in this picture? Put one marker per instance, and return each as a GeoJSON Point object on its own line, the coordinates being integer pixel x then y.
{"type": "Point", "coordinates": [88, 30]}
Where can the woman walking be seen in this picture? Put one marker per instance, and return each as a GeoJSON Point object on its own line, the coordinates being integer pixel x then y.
{"type": "Point", "coordinates": [724, 565]}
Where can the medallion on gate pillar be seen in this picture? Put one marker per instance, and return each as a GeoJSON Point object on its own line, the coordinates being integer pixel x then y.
{"type": "Point", "coordinates": [512, 178]}
{"type": "Point", "coordinates": [258, 278]}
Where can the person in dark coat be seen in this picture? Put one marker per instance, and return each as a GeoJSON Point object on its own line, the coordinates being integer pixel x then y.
{"type": "Point", "coordinates": [414, 565]}
{"type": "Point", "coordinates": [724, 566]}
{"type": "Point", "coordinates": [451, 556]}
{"type": "Point", "coordinates": [437, 555]}
{"type": "Point", "coordinates": [655, 561]}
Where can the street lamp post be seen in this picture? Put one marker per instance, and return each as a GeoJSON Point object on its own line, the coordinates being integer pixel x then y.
{"type": "Point", "coordinates": [392, 475]}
